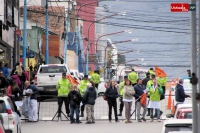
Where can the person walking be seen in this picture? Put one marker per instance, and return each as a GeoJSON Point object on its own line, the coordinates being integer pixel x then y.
{"type": "Point", "coordinates": [133, 77]}
{"type": "Point", "coordinates": [154, 103]}
{"type": "Point", "coordinates": [82, 88]}
{"type": "Point", "coordinates": [180, 93]}
{"type": "Point", "coordinates": [140, 89]}
{"type": "Point", "coordinates": [89, 101]}
{"type": "Point", "coordinates": [33, 110]}
{"type": "Point", "coordinates": [95, 78]}
{"type": "Point", "coordinates": [121, 90]}
{"type": "Point", "coordinates": [128, 99]}
{"type": "Point", "coordinates": [63, 87]}
{"type": "Point", "coordinates": [112, 95]}
{"type": "Point", "coordinates": [74, 98]}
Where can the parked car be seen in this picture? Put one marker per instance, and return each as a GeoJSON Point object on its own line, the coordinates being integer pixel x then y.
{"type": "Point", "coordinates": [176, 125]}
{"type": "Point", "coordinates": [102, 87]}
{"type": "Point", "coordinates": [48, 76]}
{"type": "Point", "coordinates": [179, 106]}
{"type": "Point", "coordinates": [11, 120]}
{"type": "Point", "coordinates": [184, 113]}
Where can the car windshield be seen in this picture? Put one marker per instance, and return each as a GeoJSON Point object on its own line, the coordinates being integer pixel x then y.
{"type": "Point", "coordinates": [53, 69]}
{"type": "Point", "coordinates": [181, 127]}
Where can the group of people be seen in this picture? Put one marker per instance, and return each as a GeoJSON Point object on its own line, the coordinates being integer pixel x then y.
{"type": "Point", "coordinates": [14, 83]}
{"type": "Point", "coordinates": [78, 96]}
{"type": "Point", "coordinates": [84, 95]}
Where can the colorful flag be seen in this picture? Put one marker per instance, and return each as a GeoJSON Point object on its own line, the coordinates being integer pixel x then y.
{"type": "Point", "coordinates": [160, 72]}
{"type": "Point", "coordinates": [72, 80]}
{"type": "Point", "coordinates": [143, 99]}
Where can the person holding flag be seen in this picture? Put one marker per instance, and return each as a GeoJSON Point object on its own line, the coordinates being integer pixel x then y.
{"type": "Point", "coordinates": [141, 99]}
{"type": "Point", "coordinates": [82, 88]}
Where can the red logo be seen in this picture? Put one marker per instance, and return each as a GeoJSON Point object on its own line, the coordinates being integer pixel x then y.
{"type": "Point", "coordinates": [179, 7]}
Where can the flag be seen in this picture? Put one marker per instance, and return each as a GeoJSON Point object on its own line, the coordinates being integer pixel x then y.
{"type": "Point", "coordinates": [143, 99]}
{"type": "Point", "coordinates": [160, 72]}
{"type": "Point", "coordinates": [72, 80]}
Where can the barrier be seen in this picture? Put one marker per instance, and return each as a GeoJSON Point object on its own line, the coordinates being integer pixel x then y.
{"type": "Point", "coordinates": [48, 106]}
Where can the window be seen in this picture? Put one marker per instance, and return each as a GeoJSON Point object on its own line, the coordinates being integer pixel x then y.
{"type": "Point", "coordinates": [3, 107]}
{"type": "Point", "coordinates": [53, 69]}
{"type": "Point", "coordinates": [11, 104]}
{"type": "Point", "coordinates": [181, 127]}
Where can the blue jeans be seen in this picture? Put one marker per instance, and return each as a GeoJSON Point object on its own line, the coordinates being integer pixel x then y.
{"type": "Point", "coordinates": [157, 111]}
{"type": "Point", "coordinates": [74, 108]}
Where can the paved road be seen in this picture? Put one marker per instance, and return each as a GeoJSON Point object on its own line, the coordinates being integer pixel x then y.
{"type": "Point", "coordinates": [98, 127]}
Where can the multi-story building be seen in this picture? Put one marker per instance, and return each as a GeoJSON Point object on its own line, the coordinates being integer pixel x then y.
{"type": "Point", "coordinates": [9, 24]}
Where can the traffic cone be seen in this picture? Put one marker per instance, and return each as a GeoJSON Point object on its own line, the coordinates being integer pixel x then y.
{"type": "Point", "coordinates": [176, 81]}
{"type": "Point", "coordinates": [173, 108]}
{"type": "Point", "coordinates": [170, 96]}
{"type": "Point", "coordinates": [169, 100]}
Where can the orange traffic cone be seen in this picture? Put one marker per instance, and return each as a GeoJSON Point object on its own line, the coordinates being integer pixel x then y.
{"type": "Point", "coordinates": [169, 100]}
{"type": "Point", "coordinates": [170, 96]}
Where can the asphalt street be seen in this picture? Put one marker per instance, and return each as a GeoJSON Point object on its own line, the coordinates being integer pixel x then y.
{"type": "Point", "coordinates": [98, 127]}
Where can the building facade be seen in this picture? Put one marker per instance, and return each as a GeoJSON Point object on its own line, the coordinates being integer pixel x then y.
{"type": "Point", "coordinates": [9, 24]}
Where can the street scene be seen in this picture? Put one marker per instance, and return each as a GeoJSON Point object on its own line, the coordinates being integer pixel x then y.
{"type": "Point", "coordinates": [99, 66]}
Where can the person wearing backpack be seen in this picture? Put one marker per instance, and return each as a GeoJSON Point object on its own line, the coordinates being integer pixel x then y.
{"type": "Point", "coordinates": [74, 98]}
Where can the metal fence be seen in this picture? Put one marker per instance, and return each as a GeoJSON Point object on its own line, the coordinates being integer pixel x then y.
{"type": "Point", "coordinates": [47, 109]}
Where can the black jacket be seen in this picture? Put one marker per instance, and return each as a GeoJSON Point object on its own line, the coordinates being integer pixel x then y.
{"type": "Point", "coordinates": [74, 98]}
{"type": "Point", "coordinates": [139, 90]}
{"type": "Point", "coordinates": [90, 96]}
{"type": "Point", "coordinates": [17, 93]}
{"type": "Point", "coordinates": [4, 82]}
{"type": "Point", "coordinates": [180, 94]}
{"type": "Point", "coordinates": [111, 94]}
{"type": "Point", "coordinates": [145, 81]}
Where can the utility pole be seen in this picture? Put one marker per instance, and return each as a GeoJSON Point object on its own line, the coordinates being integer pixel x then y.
{"type": "Point", "coordinates": [24, 34]}
{"type": "Point", "coordinates": [194, 68]}
{"type": "Point", "coordinates": [66, 36]}
{"type": "Point", "coordinates": [199, 70]}
{"type": "Point", "coordinates": [47, 34]}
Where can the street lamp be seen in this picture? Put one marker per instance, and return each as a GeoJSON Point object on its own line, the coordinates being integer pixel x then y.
{"type": "Point", "coordinates": [128, 31]}
{"type": "Point", "coordinates": [122, 13]}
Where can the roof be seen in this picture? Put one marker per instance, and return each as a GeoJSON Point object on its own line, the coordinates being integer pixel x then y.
{"type": "Point", "coordinates": [178, 121]}
{"type": "Point", "coordinates": [37, 14]}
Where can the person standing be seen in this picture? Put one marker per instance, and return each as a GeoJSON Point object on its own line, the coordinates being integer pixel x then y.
{"type": "Point", "coordinates": [33, 110]}
{"type": "Point", "coordinates": [4, 69]}
{"type": "Point", "coordinates": [121, 90]}
{"type": "Point", "coordinates": [89, 101]}
{"type": "Point", "coordinates": [13, 89]}
{"type": "Point", "coordinates": [74, 98]}
{"type": "Point", "coordinates": [140, 89]}
{"type": "Point", "coordinates": [9, 70]}
{"type": "Point", "coordinates": [149, 84]}
{"type": "Point", "coordinates": [112, 95]}
{"type": "Point", "coordinates": [180, 93]}
{"type": "Point", "coordinates": [95, 78]}
{"type": "Point", "coordinates": [133, 77]}
{"type": "Point", "coordinates": [146, 80]}
{"type": "Point", "coordinates": [151, 71]}
{"type": "Point", "coordinates": [154, 103]}
{"type": "Point", "coordinates": [82, 88]}
{"type": "Point", "coordinates": [128, 99]}
{"type": "Point", "coordinates": [63, 87]}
